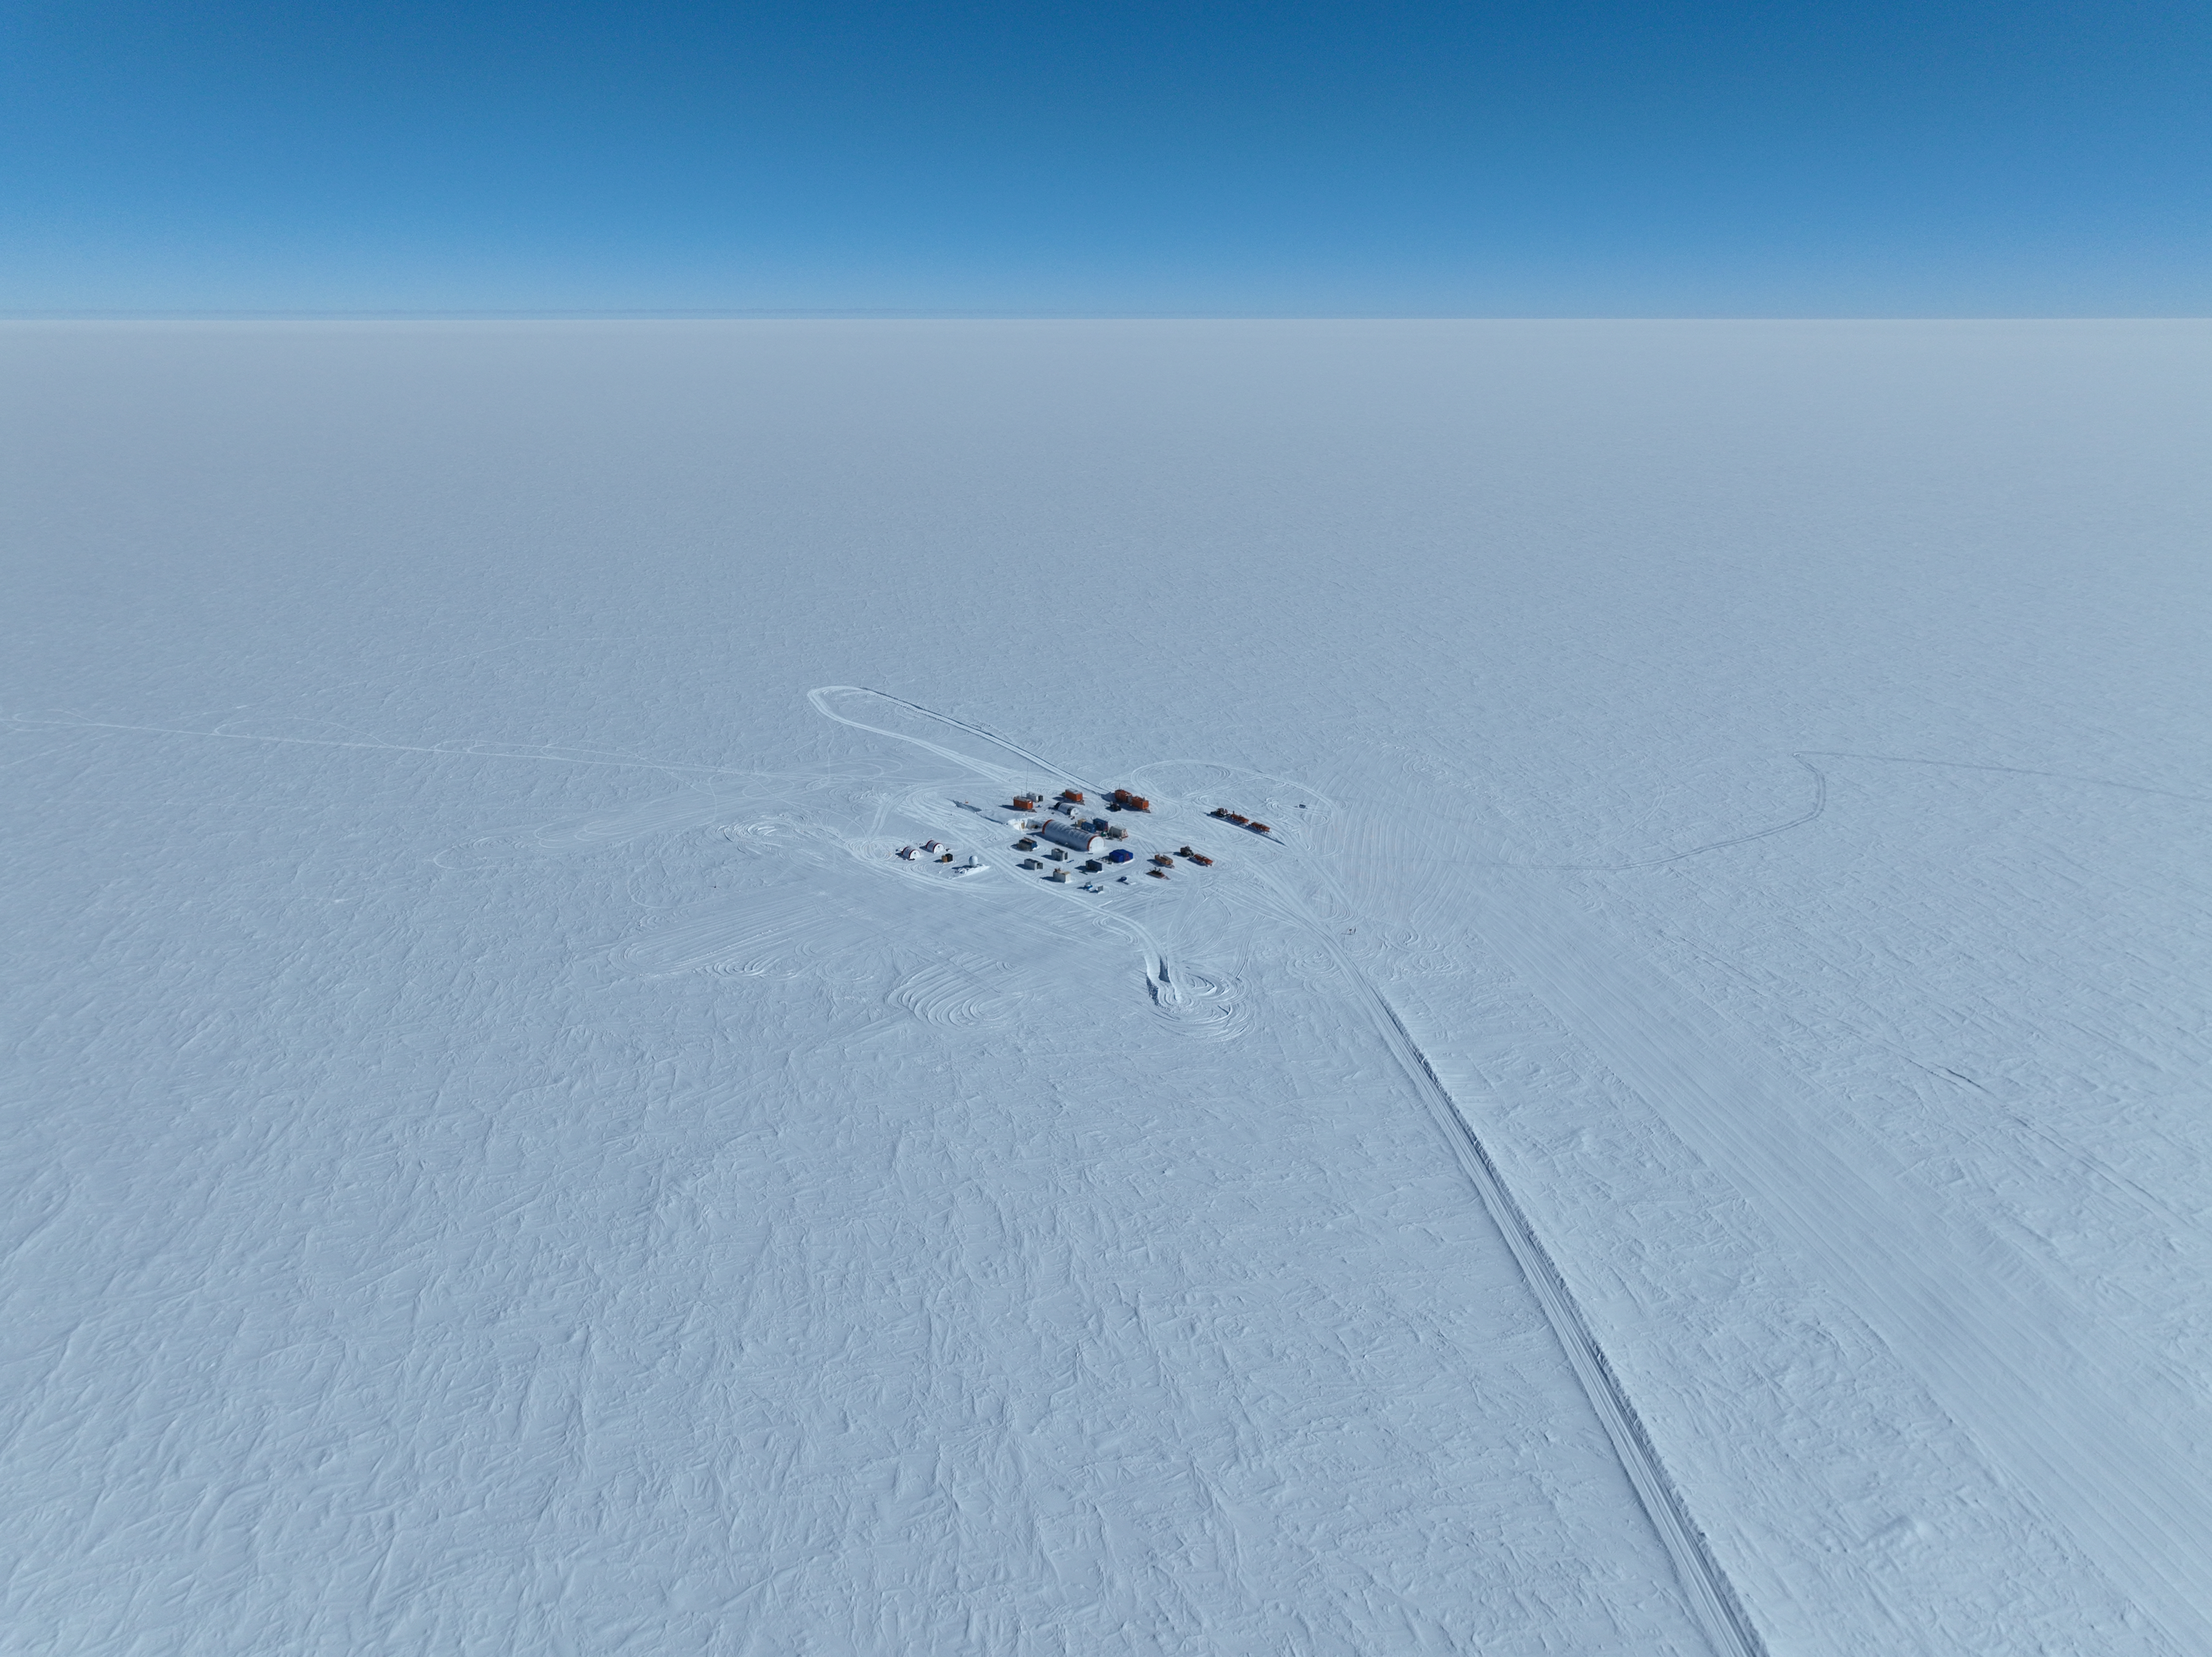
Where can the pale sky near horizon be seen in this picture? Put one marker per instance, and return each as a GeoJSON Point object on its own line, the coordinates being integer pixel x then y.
{"type": "Point", "coordinates": [1145, 158]}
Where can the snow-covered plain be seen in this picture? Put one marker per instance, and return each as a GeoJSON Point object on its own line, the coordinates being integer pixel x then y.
{"type": "Point", "coordinates": [1692, 1134]}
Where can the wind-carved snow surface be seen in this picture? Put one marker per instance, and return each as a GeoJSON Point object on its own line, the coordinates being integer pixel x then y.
{"type": "Point", "coordinates": [1688, 1136]}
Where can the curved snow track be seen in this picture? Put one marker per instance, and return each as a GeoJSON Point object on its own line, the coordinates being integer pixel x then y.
{"type": "Point", "coordinates": [1712, 1597]}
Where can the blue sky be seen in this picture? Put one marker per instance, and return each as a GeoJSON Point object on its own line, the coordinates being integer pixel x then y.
{"type": "Point", "coordinates": [1514, 159]}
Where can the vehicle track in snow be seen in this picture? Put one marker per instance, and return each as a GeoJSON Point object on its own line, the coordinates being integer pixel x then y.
{"type": "Point", "coordinates": [820, 698]}
{"type": "Point", "coordinates": [1712, 1597]}
{"type": "Point", "coordinates": [962, 990]}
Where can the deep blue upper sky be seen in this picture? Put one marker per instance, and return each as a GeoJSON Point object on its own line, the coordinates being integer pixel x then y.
{"type": "Point", "coordinates": [1142, 157]}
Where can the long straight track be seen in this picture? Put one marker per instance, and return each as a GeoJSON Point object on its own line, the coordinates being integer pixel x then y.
{"type": "Point", "coordinates": [1712, 1596]}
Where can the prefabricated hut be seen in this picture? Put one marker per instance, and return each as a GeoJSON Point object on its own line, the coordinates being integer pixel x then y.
{"type": "Point", "coordinates": [1073, 836]}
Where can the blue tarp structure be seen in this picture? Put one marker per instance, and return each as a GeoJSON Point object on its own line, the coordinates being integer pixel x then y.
{"type": "Point", "coordinates": [1120, 856]}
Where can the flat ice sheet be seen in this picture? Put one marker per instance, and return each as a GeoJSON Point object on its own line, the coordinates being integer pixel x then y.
{"type": "Point", "coordinates": [1687, 1136]}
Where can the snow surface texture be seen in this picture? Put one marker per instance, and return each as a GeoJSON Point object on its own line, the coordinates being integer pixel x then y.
{"type": "Point", "coordinates": [1689, 1136]}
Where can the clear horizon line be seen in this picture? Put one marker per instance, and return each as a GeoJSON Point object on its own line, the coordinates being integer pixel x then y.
{"type": "Point", "coordinates": [927, 314]}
